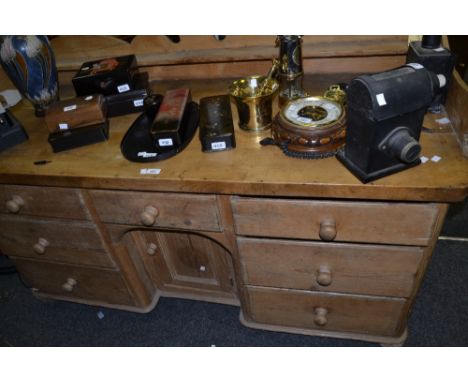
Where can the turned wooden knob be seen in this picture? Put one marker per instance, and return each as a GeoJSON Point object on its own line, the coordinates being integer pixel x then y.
{"type": "Point", "coordinates": [148, 216]}
{"type": "Point", "coordinates": [40, 246]}
{"type": "Point", "coordinates": [15, 204]}
{"type": "Point", "coordinates": [320, 316]}
{"type": "Point", "coordinates": [151, 249]}
{"type": "Point", "coordinates": [327, 230]}
{"type": "Point", "coordinates": [69, 285]}
{"type": "Point", "coordinates": [324, 276]}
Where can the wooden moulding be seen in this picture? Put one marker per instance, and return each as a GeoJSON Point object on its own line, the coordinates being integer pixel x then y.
{"type": "Point", "coordinates": [235, 56]}
{"type": "Point", "coordinates": [71, 51]}
{"type": "Point", "coordinates": [457, 109]}
{"type": "Point", "coordinates": [383, 340]}
{"type": "Point", "coordinates": [457, 106]}
{"type": "Point", "coordinates": [322, 65]}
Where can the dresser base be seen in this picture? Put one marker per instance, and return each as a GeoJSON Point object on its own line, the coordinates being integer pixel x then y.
{"type": "Point", "coordinates": [383, 341]}
{"type": "Point", "coordinates": [135, 309]}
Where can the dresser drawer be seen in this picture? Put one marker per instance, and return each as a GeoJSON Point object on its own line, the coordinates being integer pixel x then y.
{"type": "Point", "coordinates": [73, 282]}
{"type": "Point", "coordinates": [365, 222]}
{"type": "Point", "coordinates": [350, 268]}
{"type": "Point", "coordinates": [51, 202]}
{"type": "Point", "coordinates": [326, 311]}
{"type": "Point", "coordinates": [52, 239]}
{"type": "Point", "coordinates": [151, 209]}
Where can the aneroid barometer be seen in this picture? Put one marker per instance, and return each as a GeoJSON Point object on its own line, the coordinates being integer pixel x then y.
{"type": "Point", "coordinates": [311, 127]}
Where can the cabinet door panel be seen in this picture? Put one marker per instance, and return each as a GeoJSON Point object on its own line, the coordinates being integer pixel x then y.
{"type": "Point", "coordinates": [179, 262]}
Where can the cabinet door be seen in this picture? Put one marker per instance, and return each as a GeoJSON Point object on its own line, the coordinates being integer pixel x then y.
{"type": "Point", "coordinates": [187, 263]}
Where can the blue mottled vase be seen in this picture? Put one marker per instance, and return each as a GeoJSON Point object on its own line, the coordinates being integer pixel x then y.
{"type": "Point", "coordinates": [30, 63]}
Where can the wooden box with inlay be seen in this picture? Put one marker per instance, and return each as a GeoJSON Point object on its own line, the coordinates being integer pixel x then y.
{"type": "Point", "coordinates": [76, 112]}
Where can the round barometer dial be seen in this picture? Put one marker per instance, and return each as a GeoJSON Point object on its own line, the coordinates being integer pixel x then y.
{"type": "Point", "coordinates": [312, 112]}
{"type": "Point", "coordinates": [310, 127]}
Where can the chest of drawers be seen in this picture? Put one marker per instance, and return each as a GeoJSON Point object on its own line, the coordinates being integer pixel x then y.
{"type": "Point", "coordinates": [318, 266]}
{"type": "Point", "coordinates": [299, 246]}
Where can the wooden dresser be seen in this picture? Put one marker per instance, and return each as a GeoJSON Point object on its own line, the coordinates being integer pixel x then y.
{"type": "Point", "coordinates": [301, 246]}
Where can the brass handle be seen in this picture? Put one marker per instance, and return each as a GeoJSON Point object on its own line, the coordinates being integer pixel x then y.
{"type": "Point", "coordinates": [151, 249]}
{"type": "Point", "coordinates": [324, 276]}
{"type": "Point", "coordinates": [148, 216]}
{"type": "Point", "coordinates": [40, 246]}
{"type": "Point", "coordinates": [14, 205]}
{"type": "Point", "coordinates": [320, 316]}
{"type": "Point", "coordinates": [69, 285]}
{"type": "Point", "coordinates": [327, 230]}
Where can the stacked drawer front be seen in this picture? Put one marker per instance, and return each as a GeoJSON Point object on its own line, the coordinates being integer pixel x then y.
{"type": "Point", "coordinates": [49, 234]}
{"type": "Point", "coordinates": [335, 266]}
{"type": "Point", "coordinates": [153, 209]}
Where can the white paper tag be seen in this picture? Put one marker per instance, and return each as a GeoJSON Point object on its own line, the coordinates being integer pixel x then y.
{"type": "Point", "coordinates": [218, 145]}
{"type": "Point", "coordinates": [165, 142]}
{"type": "Point", "coordinates": [439, 49]}
{"type": "Point", "coordinates": [63, 126]}
{"type": "Point", "coordinates": [123, 88]}
{"type": "Point", "coordinates": [84, 69]}
{"type": "Point", "coordinates": [381, 99]}
{"type": "Point", "coordinates": [415, 65]}
{"type": "Point", "coordinates": [443, 121]}
{"type": "Point", "coordinates": [11, 97]}
{"type": "Point", "coordinates": [88, 98]}
{"type": "Point", "coordinates": [436, 158]}
{"type": "Point", "coordinates": [424, 159]}
{"type": "Point", "coordinates": [69, 108]}
{"type": "Point", "coordinates": [144, 154]}
{"type": "Point", "coordinates": [138, 102]}
{"type": "Point", "coordinates": [253, 82]}
{"type": "Point", "coordinates": [150, 171]}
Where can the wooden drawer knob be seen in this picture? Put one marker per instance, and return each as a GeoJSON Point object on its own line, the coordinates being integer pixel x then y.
{"type": "Point", "coordinates": [324, 276]}
{"type": "Point", "coordinates": [69, 285]}
{"type": "Point", "coordinates": [148, 216]}
{"type": "Point", "coordinates": [320, 316]}
{"type": "Point", "coordinates": [151, 249]}
{"type": "Point", "coordinates": [40, 246]}
{"type": "Point", "coordinates": [327, 230]}
{"type": "Point", "coordinates": [14, 205]}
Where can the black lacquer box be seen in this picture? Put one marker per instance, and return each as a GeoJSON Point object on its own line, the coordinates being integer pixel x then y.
{"type": "Point", "coordinates": [167, 129]}
{"type": "Point", "coordinates": [216, 126]}
{"type": "Point", "coordinates": [127, 103]}
{"type": "Point", "coordinates": [12, 132]}
{"type": "Point", "coordinates": [108, 76]}
{"type": "Point", "coordinates": [132, 101]}
{"type": "Point", "coordinates": [83, 136]}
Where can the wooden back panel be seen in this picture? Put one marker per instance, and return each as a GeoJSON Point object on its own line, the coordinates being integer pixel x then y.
{"type": "Point", "coordinates": [71, 51]}
{"type": "Point", "coordinates": [234, 56]}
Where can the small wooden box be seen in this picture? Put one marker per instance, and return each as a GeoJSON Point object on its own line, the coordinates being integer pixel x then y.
{"type": "Point", "coordinates": [76, 112]}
